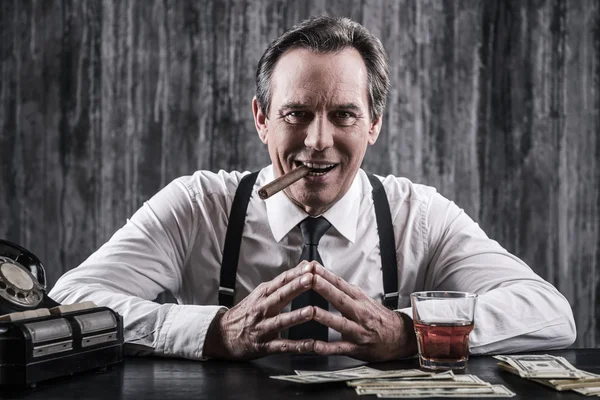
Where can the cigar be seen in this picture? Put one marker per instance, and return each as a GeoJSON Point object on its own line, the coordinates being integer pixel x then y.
{"type": "Point", "coordinates": [283, 181]}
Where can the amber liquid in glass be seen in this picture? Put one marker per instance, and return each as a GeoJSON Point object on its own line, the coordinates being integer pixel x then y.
{"type": "Point", "coordinates": [446, 342]}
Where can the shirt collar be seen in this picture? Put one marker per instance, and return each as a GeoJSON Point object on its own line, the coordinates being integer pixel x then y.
{"type": "Point", "coordinates": [284, 215]}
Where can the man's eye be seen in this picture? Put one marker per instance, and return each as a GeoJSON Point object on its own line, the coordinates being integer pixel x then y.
{"type": "Point", "coordinates": [297, 117]}
{"type": "Point", "coordinates": [344, 117]}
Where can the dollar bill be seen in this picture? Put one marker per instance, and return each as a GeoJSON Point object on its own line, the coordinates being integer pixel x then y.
{"type": "Point", "coordinates": [539, 366]}
{"type": "Point", "coordinates": [437, 391]}
{"type": "Point", "coordinates": [588, 380]}
{"type": "Point", "coordinates": [369, 372]}
{"type": "Point", "coordinates": [341, 375]}
{"type": "Point", "coordinates": [356, 371]}
{"type": "Point", "coordinates": [313, 378]}
{"type": "Point", "coordinates": [384, 378]}
{"type": "Point", "coordinates": [413, 376]}
{"type": "Point", "coordinates": [459, 381]}
{"type": "Point", "coordinates": [492, 391]}
{"type": "Point", "coordinates": [349, 374]}
{"type": "Point", "coordinates": [588, 391]}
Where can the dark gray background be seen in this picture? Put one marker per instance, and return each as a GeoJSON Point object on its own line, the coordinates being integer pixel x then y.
{"type": "Point", "coordinates": [495, 103]}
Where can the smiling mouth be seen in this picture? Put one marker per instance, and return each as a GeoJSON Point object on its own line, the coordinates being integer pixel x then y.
{"type": "Point", "coordinates": [317, 169]}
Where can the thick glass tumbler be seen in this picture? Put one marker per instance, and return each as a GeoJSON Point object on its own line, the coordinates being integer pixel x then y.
{"type": "Point", "coordinates": [443, 322]}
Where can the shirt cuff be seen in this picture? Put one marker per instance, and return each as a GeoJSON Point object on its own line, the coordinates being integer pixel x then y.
{"type": "Point", "coordinates": [184, 331]}
{"type": "Point", "coordinates": [406, 311]}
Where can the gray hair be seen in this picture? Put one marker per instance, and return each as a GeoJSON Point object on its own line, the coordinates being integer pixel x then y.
{"type": "Point", "coordinates": [325, 34]}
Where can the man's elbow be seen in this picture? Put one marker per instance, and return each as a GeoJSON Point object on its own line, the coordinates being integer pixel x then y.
{"type": "Point", "coordinates": [571, 333]}
{"type": "Point", "coordinates": [568, 330]}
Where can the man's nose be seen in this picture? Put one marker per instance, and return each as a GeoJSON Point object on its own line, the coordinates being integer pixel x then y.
{"type": "Point", "coordinates": [320, 134]}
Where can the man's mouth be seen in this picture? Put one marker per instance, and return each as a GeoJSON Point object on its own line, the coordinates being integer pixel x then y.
{"type": "Point", "coordinates": [317, 169]}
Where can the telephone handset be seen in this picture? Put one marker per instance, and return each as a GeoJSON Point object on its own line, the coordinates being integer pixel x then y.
{"type": "Point", "coordinates": [22, 280]}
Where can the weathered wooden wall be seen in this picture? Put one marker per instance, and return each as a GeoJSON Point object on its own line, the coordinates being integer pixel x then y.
{"type": "Point", "coordinates": [496, 103]}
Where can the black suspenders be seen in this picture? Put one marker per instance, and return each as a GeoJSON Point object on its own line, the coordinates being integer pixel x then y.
{"type": "Point", "coordinates": [387, 243]}
{"type": "Point", "coordinates": [235, 228]}
{"type": "Point", "coordinates": [233, 239]}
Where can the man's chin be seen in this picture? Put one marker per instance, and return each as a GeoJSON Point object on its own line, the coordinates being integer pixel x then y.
{"type": "Point", "coordinates": [312, 204]}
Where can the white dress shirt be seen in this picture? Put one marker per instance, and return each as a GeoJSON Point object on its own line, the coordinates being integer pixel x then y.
{"type": "Point", "coordinates": [175, 242]}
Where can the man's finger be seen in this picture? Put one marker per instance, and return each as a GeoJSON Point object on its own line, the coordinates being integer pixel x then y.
{"type": "Point", "coordinates": [285, 294]}
{"type": "Point", "coordinates": [338, 282]}
{"type": "Point", "coordinates": [335, 348]}
{"type": "Point", "coordinates": [348, 328]}
{"type": "Point", "coordinates": [344, 303]}
{"type": "Point", "coordinates": [288, 276]}
{"type": "Point", "coordinates": [286, 320]}
{"type": "Point", "coordinates": [277, 346]}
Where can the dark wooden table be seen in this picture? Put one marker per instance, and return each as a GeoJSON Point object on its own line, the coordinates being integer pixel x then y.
{"type": "Point", "coordinates": [160, 378]}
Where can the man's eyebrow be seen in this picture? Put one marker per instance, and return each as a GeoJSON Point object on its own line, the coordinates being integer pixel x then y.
{"type": "Point", "coordinates": [348, 106]}
{"type": "Point", "coordinates": [293, 105]}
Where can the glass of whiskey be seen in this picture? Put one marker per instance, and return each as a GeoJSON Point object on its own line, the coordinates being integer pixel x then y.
{"type": "Point", "coordinates": [443, 322]}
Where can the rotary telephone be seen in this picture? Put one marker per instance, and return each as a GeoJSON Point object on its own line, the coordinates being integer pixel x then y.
{"type": "Point", "coordinates": [41, 339]}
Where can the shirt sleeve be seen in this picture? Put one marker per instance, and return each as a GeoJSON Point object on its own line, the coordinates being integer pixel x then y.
{"type": "Point", "coordinates": [516, 310]}
{"type": "Point", "coordinates": [143, 259]}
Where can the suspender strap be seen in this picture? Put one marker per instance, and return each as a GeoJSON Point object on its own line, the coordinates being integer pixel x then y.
{"type": "Point", "coordinates": [233, 239]}
{"type": "Point", "coordinates": [387, 243]}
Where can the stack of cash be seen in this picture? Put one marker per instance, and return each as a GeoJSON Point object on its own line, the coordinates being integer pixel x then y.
{"type": "Point", "coordinates": [551, 371]}
{"type": "Point", "coordinates": [407, 383]}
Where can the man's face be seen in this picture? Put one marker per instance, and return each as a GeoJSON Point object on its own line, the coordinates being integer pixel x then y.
{"type": "Point", "coordinates": [319, 116]}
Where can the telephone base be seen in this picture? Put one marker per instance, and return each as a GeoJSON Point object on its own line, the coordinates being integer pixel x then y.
{"type": "Point", "coordinates": [47, 347]}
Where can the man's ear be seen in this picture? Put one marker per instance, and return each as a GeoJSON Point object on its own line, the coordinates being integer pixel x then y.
{"type": "Point", "coordinates": [375, 129]}
{"type": "Point", "coordinates": [260, 121]}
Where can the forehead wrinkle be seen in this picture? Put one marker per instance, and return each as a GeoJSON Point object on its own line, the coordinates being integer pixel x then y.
{"type": "Point", "coordinates": [318, 99]}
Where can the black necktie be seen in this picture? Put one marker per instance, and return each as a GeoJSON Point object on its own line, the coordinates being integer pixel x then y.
{"type": "Point", "coordinates": [312, 231]}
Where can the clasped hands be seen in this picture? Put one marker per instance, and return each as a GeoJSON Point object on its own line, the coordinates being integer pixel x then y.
{"type": "Point", "coordinates": [251, 329]}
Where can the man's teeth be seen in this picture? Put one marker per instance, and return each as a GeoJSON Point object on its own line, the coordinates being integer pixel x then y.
{"type": "Point", "coordinates": [318, 169]}
{"type": "Point", "coordinates": [318, 166]}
